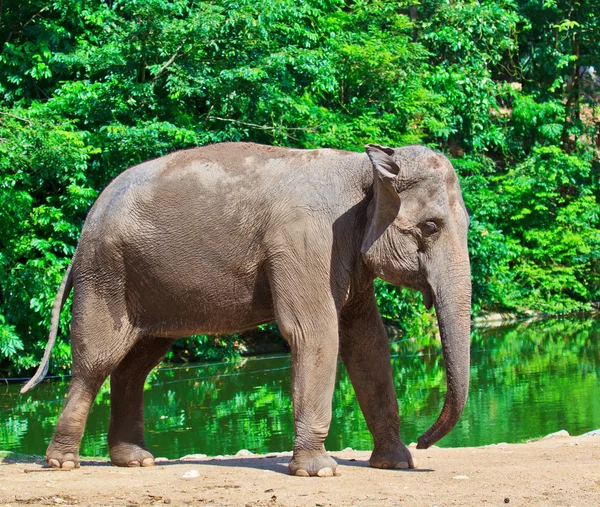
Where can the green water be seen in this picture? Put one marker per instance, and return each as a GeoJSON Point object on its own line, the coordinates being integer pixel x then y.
{"type": "Point", "coordinates": [527, 380]}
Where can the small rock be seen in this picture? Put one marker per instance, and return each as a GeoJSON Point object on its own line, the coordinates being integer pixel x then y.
{"type": "Point", "coordinates": [190, 457]}
{"type": "Point", "coordinates": [412, 444]}
{"type": "Point", "coordinates": [506, 500]}
{"type": "Point", "coordinates": [167, 500]}
{"type": "Point", "coordinates": [244, 452]}
{"type": "Point", "coordinates": [558, 434]}
{"type": "Point", "coordinates": [269, 490]}
{"type": "Point", "coordinates": [160, 460]}
{"type": "Point", "coordinates": [347, 449]}
{"type": "Point", "coordinates": [191, 474]}
{"type": "Point", "coordinates": [460, 477]}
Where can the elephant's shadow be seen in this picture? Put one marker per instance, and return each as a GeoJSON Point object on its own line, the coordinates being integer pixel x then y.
{"type": "Point", "coordinates": [278, 464]}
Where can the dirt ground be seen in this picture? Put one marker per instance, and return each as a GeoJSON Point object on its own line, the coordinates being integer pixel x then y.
{"type": "Point", "coordinates": [552, 471]}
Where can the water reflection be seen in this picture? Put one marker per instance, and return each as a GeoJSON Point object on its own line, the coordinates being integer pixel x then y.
{"type": "Point", "coordinates": [527, 380]}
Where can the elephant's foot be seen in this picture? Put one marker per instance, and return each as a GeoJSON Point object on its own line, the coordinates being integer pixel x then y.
{"type": "Point", "coordinates": [57, 458]}
{"type": "Point", "coordinates": [130, 455]}
{"type": "Point", "coordinates": [398, 457]}
{"type": "Point", "coordinates": [312, 464]}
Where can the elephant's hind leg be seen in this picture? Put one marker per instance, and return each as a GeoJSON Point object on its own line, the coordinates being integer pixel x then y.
{"type": "Point", "coordinates": [126, 432]}
{"type": "Point", "coordinates": [63, 451]}
{"type": "Point", "coordinates": [98, 347]}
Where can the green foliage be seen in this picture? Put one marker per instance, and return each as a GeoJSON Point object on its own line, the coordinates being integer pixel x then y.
{"type": "Point", "coordinates": [43, 200]}
{"type": "Point", "coordinates": [88, 88]}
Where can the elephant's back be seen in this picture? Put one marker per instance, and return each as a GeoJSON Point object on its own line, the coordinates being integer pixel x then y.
{"type": "Point", "coordinates": [222, 176]}
{"type": "Point", "coordinates": [193, 231]}
{"type": "Point", "coordinates": [232, 158]}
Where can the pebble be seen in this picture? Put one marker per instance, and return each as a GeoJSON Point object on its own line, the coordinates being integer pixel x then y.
{"type": "Point", "coordinates": [460, 477]}
{"type": "Point", "coordinates": [558, 434]}
{"type": "Point", "coordinates": [160, 460]}
{"type": "Point", "coordinates": [193, 456]}
{"type": "Point", "coordinates": [191, 474]}
{"type": "Point", "coordinates": [244, 452]}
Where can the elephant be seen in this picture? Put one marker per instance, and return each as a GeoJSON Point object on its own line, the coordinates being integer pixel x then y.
{"type": "Point", "coordinates": [225, 237]}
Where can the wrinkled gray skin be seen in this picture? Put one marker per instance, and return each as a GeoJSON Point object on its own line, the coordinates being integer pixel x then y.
{"type": "Point", "coordinates": [222, 238]}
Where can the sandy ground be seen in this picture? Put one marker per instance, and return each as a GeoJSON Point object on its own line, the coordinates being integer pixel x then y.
{"type": "Point", "coordinates": [552, 471]}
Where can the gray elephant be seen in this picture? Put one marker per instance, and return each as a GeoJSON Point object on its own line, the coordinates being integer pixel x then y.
{"type": "Point", "coordinates": [222, 238]}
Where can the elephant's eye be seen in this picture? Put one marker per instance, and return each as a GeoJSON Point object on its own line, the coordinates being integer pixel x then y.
{"type": "Point", "coordinates": [428, 228]}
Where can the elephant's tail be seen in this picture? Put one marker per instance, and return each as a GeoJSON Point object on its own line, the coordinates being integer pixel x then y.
{"type": "Point", "coordinates": [63, 294]}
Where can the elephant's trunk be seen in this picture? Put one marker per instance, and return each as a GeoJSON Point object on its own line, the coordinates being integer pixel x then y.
{"type": "Point", "coordinates": [452, 296]}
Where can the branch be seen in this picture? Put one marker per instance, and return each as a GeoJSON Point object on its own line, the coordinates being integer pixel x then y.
{"type": "Point", "coordinates": [17, 117]}
{"type": "Point", "coordinates": [36, 15]}
{"type": "Point", "coordinates": [260, 127]}
{"type": "Point", "coordinates": [169, 62]}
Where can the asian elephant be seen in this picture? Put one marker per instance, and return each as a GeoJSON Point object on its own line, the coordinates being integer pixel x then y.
{"type": "Point", "coordinates": [222, 238]}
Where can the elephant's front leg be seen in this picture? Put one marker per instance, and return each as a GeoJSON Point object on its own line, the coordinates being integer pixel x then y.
{"type": "Point", "coordinates": [308, 319]}
{"type": "Point", "coordinates": [365, 352]}
{"type": "Point", "coordinates": [314, 360]}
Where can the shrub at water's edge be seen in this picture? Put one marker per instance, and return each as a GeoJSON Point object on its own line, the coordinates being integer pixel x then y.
{"type": "Point", "coordinates": [507, 89]}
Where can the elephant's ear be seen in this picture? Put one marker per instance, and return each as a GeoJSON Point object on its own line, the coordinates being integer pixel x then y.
{"type": "Point", "coordinates": [385, 205]}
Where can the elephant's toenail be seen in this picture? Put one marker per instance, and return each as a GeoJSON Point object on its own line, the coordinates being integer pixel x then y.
{"type": "Point", "coordinates": [68, 465]}
{"type": "Point", "coordinates": [133, 463]}
{"type": "Point", "coordinates": [325, 472]}
{"type": "Point", "coordinates": [302, 473]}
{"type": "Point", "coordinates": [148, 462]}
{"type": "Point", "coordinates": [402, 465]}
{"type": "Point", "coordinates": [54, 463]}
{"type": "Point", "coordinates": [384, 465]}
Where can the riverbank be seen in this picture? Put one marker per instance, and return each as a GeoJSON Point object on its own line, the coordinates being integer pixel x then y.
{"type": "Point", "coordinates": [553, 471]}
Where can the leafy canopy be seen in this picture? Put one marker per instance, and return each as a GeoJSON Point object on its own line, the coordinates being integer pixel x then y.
{"type": "Point", "coordinates": [506, 88]}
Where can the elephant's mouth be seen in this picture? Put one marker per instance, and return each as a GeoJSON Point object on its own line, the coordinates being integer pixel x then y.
{"type": "Point", "coordinates": [427, 295]}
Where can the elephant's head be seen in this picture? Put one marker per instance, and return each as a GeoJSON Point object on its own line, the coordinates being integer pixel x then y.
{"type": "Point", "coordinates": [416, 236]}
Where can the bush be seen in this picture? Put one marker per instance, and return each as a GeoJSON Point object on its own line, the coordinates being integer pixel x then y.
{"type": "Point", "coordinates": [90, 88]}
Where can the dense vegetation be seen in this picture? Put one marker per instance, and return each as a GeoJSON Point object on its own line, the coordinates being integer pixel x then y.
{"type": "Point", "coordinates": [506, 88]}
